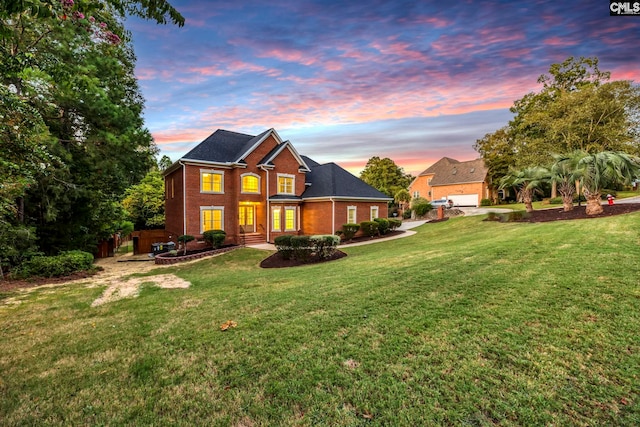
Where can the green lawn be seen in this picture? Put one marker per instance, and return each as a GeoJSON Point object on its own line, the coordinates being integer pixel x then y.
{"type": "Point", "coordinates": [466, 323]}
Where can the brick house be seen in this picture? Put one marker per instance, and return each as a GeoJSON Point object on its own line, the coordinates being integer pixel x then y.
{"type": "Point", "coordinates": [256, 188]}
{"type": "Point", "coordinates": [465, 183]}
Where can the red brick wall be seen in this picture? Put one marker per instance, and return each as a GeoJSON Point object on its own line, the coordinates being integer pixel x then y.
{"type": "Point", "coordinates": [421, 185]}
{"type": "Point", "coordinates": [173, 202]}
{"type": "Point", "coordinates": [316, 217]}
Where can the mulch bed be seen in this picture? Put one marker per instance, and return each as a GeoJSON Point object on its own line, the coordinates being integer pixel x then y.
{"type": "Point", "coordinates": [579, 212]}
{"type": "Point", "coordinates": [276, 261]}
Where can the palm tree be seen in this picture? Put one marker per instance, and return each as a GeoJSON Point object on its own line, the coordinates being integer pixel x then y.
{"type": "Point", "coordinates": [527, 182]}
{"type": "Point", "coordinates": [562, 173]}
{"type": "Point", "coordinates": [598, 171]}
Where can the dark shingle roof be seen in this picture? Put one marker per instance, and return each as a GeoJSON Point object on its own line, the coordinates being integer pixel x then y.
{"type": "Point", "coordinates": [224, 146]}
{"type": "Point", "coordinates": [330, 180]}
{"type": "Point", "coordinates": [449, 171]}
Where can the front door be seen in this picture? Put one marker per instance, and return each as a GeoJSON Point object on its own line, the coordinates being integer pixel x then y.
{"type": "Point", "coordinates": [247, 218]}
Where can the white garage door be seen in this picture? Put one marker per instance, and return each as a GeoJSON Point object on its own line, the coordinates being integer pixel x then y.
{"type": "Point", "coordinates": [464, 199]}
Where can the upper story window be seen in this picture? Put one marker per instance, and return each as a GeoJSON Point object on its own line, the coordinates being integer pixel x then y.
{"type": "Point", "coordinates": [286, 184]}
{"type": "Point", "coordinates": [211, 181]}
{"type": "Point", "coordinates": [416, 194]}
{"type": "Point", "coordinates": [250, 183]}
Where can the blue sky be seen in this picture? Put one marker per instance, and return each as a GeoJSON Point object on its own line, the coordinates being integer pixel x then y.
{"type": "Point", "coordinates": [347, 80]}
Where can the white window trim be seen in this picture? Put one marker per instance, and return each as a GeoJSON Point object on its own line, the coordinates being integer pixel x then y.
{"type": "Point", "coordinates": [242, 190]}
{"type": "Point", "coordinates": [213, 172]}
{"type": "Point", "coordinates": [355, 214]}
{"type": "Point", "coordinates": [274, 209]}
{"type": "Point", "coordinates": [293, 183]}
{"type": "Point", "coordinates": [295, 218]}
{"type": "Point", "coordinates": [211, 208]}
{"type": "Point", "coordinates": [371, 209]}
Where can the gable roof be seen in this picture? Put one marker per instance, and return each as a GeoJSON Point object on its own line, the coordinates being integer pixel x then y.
{"type": "Point", "coordinates": [330, 180]}
{"type": "Point", "coordinates": [268, 159]}
{"type": "Point", "coordinates": [223, 146]}
{"type": "Point", "coordinates": [448, 171]}
{"type": "Point", "coordinates": [232, 148]}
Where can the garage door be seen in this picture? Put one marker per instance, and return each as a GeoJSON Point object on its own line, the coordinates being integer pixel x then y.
{"type": "Point", "coordinates": [464, 199]}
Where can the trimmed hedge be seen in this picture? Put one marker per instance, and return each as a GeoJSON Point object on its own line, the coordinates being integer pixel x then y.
{"type": "Point", "coordinates": [349, 230]}
{"type": "Point", "coordinates": [283, 245]}
{"type": "Point", "coordinates": [422, 208]}
{"type": "Point", "coordinates": [215, 238]}
{"type": "Point", "coordinates": [303, 248]}
{"type": "Point", "coordinates": [63, 264]}
{"type": "Point", "coordinates": [325, 245]}
{"type": "Point", "coordinates": [383, 225]}
{"type": "Point", "coordinates": [369, 228]}
{"type": "Point", "coordinates": [394, 223]}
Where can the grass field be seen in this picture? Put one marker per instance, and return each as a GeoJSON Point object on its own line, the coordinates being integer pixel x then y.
{"type": "Point", "coordinates": [465, 323]}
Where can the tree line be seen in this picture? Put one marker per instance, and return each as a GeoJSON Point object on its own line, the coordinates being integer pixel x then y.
{"type": "Point", "coordinates": [579, 133]}
{"type": "Point", "coordinates": [72, 136]}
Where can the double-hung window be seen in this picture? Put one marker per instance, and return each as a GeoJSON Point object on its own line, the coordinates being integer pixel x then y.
{"type": "Point", "coordinates": [373, 213]}
{"type": "Point", "coordinates": [286, 184]}
{"type": "Point", "coordinates": [211, 181]}
{"type": "Point", "coordinates": [211, 218]}
{"type": "Point", "coordinates": [290, 218]}
{"type": "Point", "coordinates": [276, 219]}
{"type": "Point", "coordinates": [351, 215]}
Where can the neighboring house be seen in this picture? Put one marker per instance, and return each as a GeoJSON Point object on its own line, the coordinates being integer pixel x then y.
{"type": "Point", "coordinates": [465, 183]}
{"type": "Point", "coordinates": [256, 188]}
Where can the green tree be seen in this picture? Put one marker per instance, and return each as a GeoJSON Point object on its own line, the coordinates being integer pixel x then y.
{"type": "Point", "coordinates": [563, 173]}
{"type": "Point", "coordinates": [402, 197]}
{"type": "Point", "coordinates": [385, 176]}
{"type": "Point", "coordinates": [576, 109]}
{"type": "Point", "coordinates": [498, 152]}
{"type": "Point", "coordinates": [527, 182]}
{"type": "Point", "coordinates": [597, 171]}
{"type": "Point", "coordinates": [164, 163]}
{"type": "Point", "coordinates": [144, 202]}
{"type": "Point", "coordinates": [69, 66]}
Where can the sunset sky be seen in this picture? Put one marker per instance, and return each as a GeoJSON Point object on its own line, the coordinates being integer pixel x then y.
{"type": "Point", "coordinates": [347, 80]}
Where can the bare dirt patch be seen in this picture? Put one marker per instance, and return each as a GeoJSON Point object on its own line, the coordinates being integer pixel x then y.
{"type": "Point", "coordinates": [113, 273]}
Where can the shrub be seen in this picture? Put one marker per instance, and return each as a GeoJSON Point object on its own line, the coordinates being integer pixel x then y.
{"type": "Point", "coordinates": [215, 238]}
{"type": "Point", "coordinates": [604, 193]}
{"type": "Point", "coordinates": [369, 228]}
{"type": "Point", "coordinates": [63, 264]}
{"type": "Point", "coordinates": [421, 208]}
{"type": "Point", "coordinates": [301, 247]}
{"type": "Point", "coordinates": [324, 245]}
{"type": "Point", "coordinates": [555, 201]}
{"type": "Point", "coordinates": [406, 214]}
{"type": "Point", "coordinates": [486, 202]}
{"type": "Point", "coordinates": [283, 245]}
{"type": "Point", "coordinates": [394, 223]}
{"type": "Point", "coordinates": [515, 216]}
{"type": "Point", "coordinates": [383, 225]}
{"type": "Point", "coordinates": [350, 230]}
{"type": "Point", "coordinates": [493, 216]}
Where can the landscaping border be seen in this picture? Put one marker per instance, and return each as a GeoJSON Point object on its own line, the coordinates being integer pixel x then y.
{"type": "Point", "coordinates": [165, 259]}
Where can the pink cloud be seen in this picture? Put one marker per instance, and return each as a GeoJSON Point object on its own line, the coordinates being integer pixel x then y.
{"type": "Point", "coordinates": [558, 42]}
